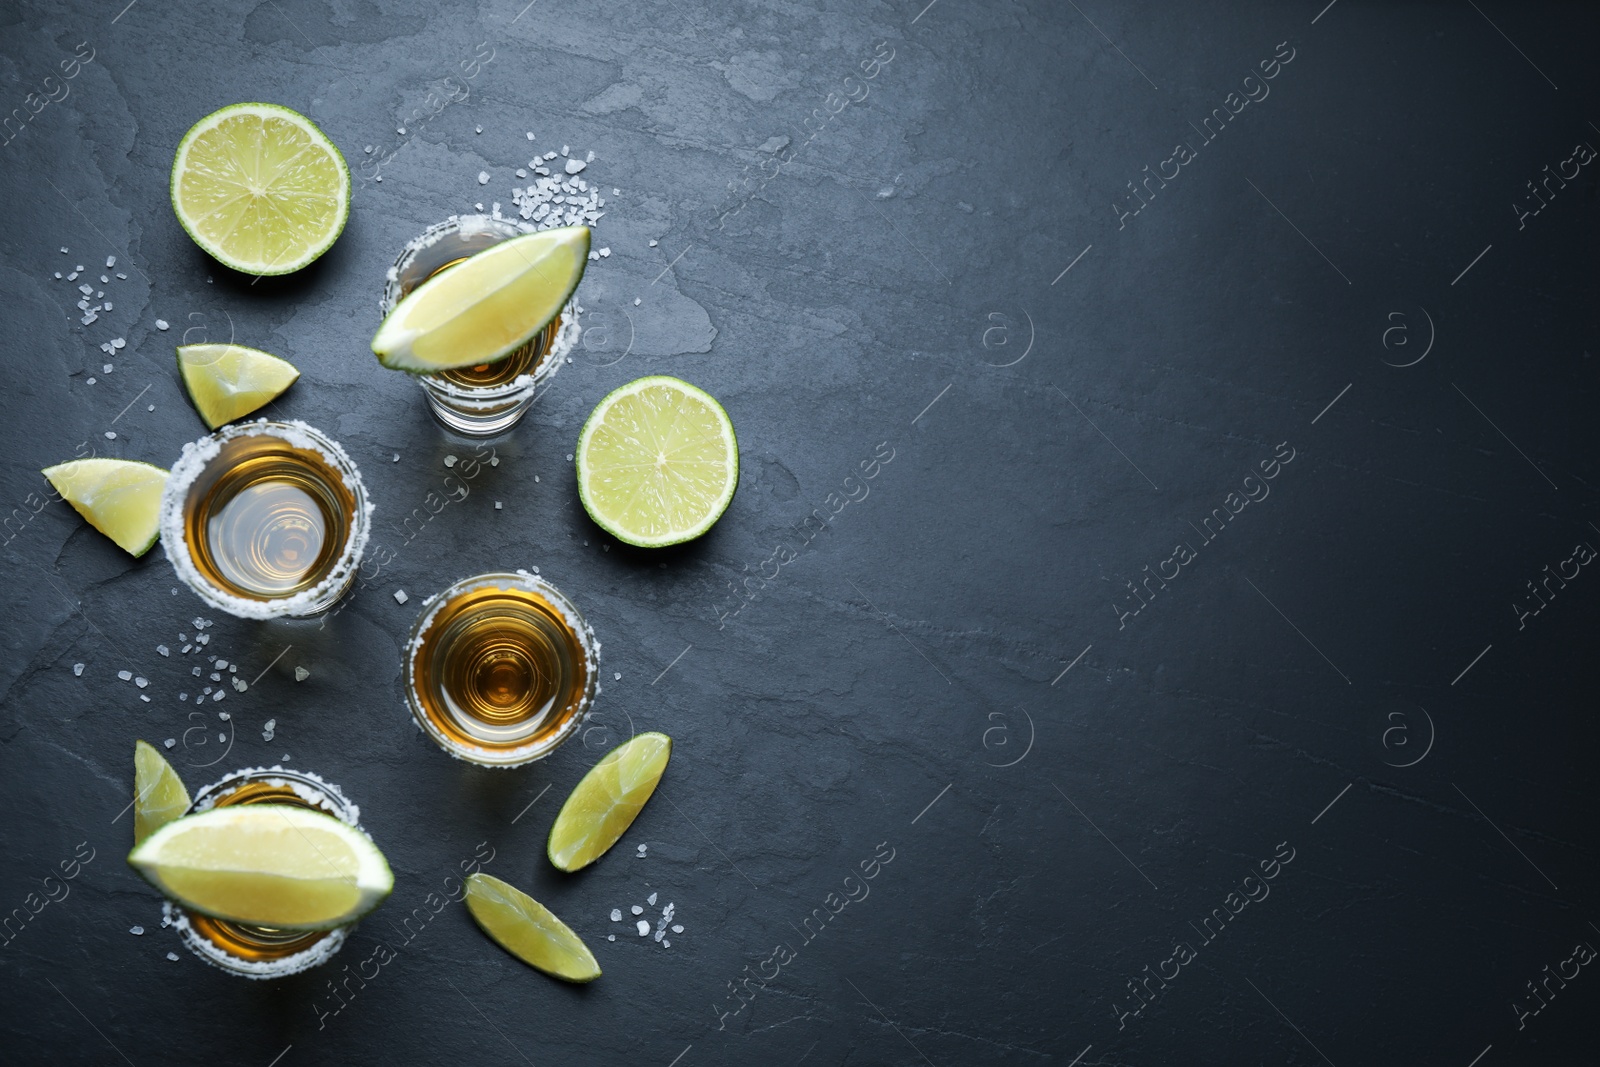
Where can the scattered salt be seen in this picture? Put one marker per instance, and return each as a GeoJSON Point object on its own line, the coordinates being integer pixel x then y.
{"type": "Point", "coordinates": [126, 676]}
{"type": "Point", "coordinates": [449, 461]}
{"type": "Point", "coordinates": [678, 929]}
{"type": "Point", "coordinates": [183, 696]}
{"type": "Point", "coordinates": [575, 165]}
{"type": "Point", "coordinates": [652, 244]}
{"type": "Point", "coordinates": [163, 650]}
{"type": "Point", "coordinates": [637, 910]}
{"type": "Point", "coordinates": [589, 156]}
{"type": "Point", "coordinates": [483, 177]}
{"type": "Point", "coordinates": [161, 324]}
{"type": "Point", "coordinates": [477, 129]}
{"type": "Point", "coordinates": [111, 261]}
{"type": "Point", "coordinates": [222, 664]}
{"type": "Point", "coordinates": [400, 596]}
{"type": "Point", "coordinates": [651, 899]}
{"type": "Point", "coordinates": [91, 381]}
{"type": "Point", "coordinates": [497, 505]}
{"type": "Point", "coordinates": [564, 151]}
{"type": "Point", "coordinates": [301, 674]}
{"type": "Point", "coordinates": [605, 252]}
{"type": "Point", "coordinates": [77, 670]}
{"type": "Point", "coordinates": [635, 301]}
{"type": "Point", "coordinates": [173, 956]}
{"type": "Point", "coordinates": [218, 695]}
{"type": "Point", "coordinates": [224, 716]}
{"type": "Point", "coordinates": [644, 928]}
{"type": "Point", "coordinates": [141, 682]}
{"type": "Point", "coordinates": [616, 915]}
{"type": "Point", "coordinates": [530, 137]}
{"type": "Point", "coordinates": [611, 937]}
{"type": "Point", "coordinates": [111, 435]}
{"type": "Point", "coordinates": [169, 742]}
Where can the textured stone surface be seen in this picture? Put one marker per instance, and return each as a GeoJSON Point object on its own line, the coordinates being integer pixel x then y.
{"type": "Point", "coordinates": [951, 670]}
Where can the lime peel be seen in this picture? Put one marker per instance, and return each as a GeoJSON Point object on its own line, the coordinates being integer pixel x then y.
{"type": "Point", "coordinates": [528, 930]}
{"type": "Point", "coordinates": [604, 804]}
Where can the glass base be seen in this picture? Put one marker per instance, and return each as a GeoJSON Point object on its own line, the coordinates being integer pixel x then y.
{"type": "Point", "coordinates": [477, 423]}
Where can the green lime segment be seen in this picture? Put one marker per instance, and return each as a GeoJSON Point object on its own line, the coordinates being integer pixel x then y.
{"type": "Point", "coordinates": [268, 865]}
{"type": "Point", "coordinates": [657, 462]}
{"type": "Point", "coordinates": [608, 799]}
{"type": "Point", "coordinates": [483, 309]}
{"type": "Point", "coordinates": [120, 498]}
{"type": "Point", "coordinates": [228, 382]}
{"type": "Point", "coordinates": [158, 792]}
{"type": "Point", "coordinates": [527, 929]}
{"type": "Point", "coordinates": [260, 188]}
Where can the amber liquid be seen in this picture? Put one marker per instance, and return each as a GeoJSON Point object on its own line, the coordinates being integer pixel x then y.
{"type": "Point", "coordinates": [256, 943]}
{"type": "Point", "coordinates": [500, 668]}
{"type": "Point", "coordinates": [266, 520]}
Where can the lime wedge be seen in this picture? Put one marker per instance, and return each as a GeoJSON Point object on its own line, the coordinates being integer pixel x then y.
{"type": "Point", "coordinates": [483, 309]}
{"type": "Point", "coordinates": [227, 382]}
{"type": "Point", "coordinates": [158, 792]}
{"type": "Point", "coordinates": [608, 799]}
{"type": "Point", "coordinates": [657, 462]}
{"type": "Point", "coordinates": [120, 498]}
{"type": "Point", "coordinates": [526, 929]}
{"type": "Point", "coordinates": [260, 188]}
{"type": "Point", "coordinates": [266, 864]}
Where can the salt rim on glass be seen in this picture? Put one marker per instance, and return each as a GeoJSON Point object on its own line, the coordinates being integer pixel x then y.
{"type": "Point", "coordinates": [483, 756]}
{"type": "Point", "coordinates": [197, 454]}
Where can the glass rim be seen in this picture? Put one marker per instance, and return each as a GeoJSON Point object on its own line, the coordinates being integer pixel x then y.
{"type": "Point", "coordinates": [561, 346]}
{"type": "Point", "coordinates": [519, 755]}
{"type": "Point", "coordinates": [198, 455]}
{"type": "Point", "coordinates": [324, 796]}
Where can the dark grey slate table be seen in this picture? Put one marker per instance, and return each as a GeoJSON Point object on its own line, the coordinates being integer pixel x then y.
{"type": "Point", "coordinates": [1204, 670]}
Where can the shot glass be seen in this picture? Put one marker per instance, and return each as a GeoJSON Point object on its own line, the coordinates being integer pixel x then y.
{"type": "Point", "coordinates": [263, 951]}
{"type": "Point", "coordinates": [500, 669]}
{"type": "Point", "coordinates": [266, 520]}
{"type": "Point", "coordinates": [489, 398]}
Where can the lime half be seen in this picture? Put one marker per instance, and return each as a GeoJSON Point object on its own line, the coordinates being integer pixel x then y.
{"type": "Point", "coordinates": [657, 462]}
{"type": "Point", "coordinates": [527, 929]}
{"type": "Point", "coordinates": [266, 864]}
{"type": "Point", "coordinates": [260, 188]}
{"type": "Point", "coordinates": [120, 498]}
{"type": "Point", "coordinates": [607, 801]}
{"type": "Point", "coordinates": [228, 382]}
{"type": "Point", "coordinates": [483, 309]}
{"type": "Point", "coordinates": [158, 792]}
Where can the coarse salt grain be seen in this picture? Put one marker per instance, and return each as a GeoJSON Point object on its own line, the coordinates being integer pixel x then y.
{"type": "Point", "coordinates": [637, 910]}
{"type": "Point", "coordinates": [643, 927]}
{"type": "Point", "coordinates": [77, 670]}
{"type": "Point", "coordinates": [161, 324]}
{"type": "Point", "coordinates": [400, 596]}
{"type": "Point", "coordinates": [126, 676]}
{"type": "Point", "coordinates": [616, 915]}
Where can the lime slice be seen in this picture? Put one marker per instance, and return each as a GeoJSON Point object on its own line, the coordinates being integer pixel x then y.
{"type": "Point", "coordinates": [158, 792]}
{"type": "Point", "coordinates": [120, 498]}
{"type": "Point", "coordinates": [227, 382]}
{"type": "Point", "coordinates": [526, 929]}
{"type": "Point", "coordinates": [260, 188]}
{"type": "Point", "coordinates": [485, 308]}
{"type": "Point", "coordinates": [608, 799]}
{"type": "Point", "coordinates": [266, 864]}
{"type": "Point", "coordinates": [657, 462]}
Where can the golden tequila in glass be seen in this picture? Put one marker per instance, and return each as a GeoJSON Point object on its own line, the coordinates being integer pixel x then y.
{"type": "Point", "coordinates": [262, 951]}
{"type": "Point", "coordinates": [489, 398]}
{"type": "Point", "coordinates": [501, 668]}
{"type": "Point", "coordinates": [265, 519]}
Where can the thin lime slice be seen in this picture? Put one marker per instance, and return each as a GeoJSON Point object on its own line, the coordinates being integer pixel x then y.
{"type": "Point", "coordinates": [657, 462]}
{"type": "Point", "coordinates": [260, 188]}
{"type": "Point", "coordinates": [266, 864]}
{"type": "Point", "coordinates": [608, 799]}
{"type": "Point", "coordinates": [158, 792]}
{"type": "Point", "coordinates": [526, 929]}
{"type": "Point", "coordinates": [483, 309]}
{"type": "Point", "coordinates": [227, 382]}
{"type": "Point", "coordinates": [120, 498]}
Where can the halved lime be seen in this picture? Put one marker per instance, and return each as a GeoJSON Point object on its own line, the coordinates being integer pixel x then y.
{"type": "Point", "coordinates": [158, 792]}
{"type": "Point", "coordinates": [260, 188]}
{"type": "Point", "coordinates": [608, 799]}
{"type": "Point", "coordinates": [120, 498]}
{"type": "Point", "coordinates": [266, 864]}
{"type": "Point", "coordinates": [657, 462]}
{"type": "Point", "coordinates": [485, 308]}
{"type": "Point", "coordinates": [526, 929]}
{"type": "Point", "coordinates": [227, 382]}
